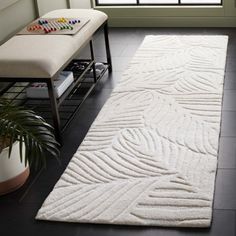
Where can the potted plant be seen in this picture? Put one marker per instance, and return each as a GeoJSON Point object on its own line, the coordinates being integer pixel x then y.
{"type": "Point", "coordinates": [25, 141]}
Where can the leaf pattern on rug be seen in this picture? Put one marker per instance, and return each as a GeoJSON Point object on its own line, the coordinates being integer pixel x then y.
{"type": "Point", "coordinates": [150, 157]}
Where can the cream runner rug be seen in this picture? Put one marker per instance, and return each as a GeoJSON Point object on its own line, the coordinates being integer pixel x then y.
{"type": "Point", "coordinates": [150, 157]}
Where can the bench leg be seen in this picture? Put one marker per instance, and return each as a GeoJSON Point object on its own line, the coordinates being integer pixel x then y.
{"type": "Point", "coordinates": [54, 107]}
{"type": "Point", "coordinates": [93, 59]}
{"type": "Point", "coordinates": [108, 52]}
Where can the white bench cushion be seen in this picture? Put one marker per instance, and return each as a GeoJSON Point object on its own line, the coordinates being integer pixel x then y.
{"type": "Point", "coordinates": [41, 56]}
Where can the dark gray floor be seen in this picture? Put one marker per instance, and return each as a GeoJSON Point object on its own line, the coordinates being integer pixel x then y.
{"type": "Point", "coordinates": [17, 210]}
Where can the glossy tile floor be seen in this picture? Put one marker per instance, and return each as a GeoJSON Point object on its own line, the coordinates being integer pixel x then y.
{"type": "Point", "coordinates": [17, 210]}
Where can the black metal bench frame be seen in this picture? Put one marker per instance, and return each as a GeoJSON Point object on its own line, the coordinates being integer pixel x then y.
{"type": "Point", "coordinates": [49, 81]}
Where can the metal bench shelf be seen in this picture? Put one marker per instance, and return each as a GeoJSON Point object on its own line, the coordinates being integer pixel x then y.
{"type": "Point", "coordinates": [70, 101]}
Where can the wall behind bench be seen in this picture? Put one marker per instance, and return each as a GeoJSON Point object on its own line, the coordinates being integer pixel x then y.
{"type": "Point", "coordinates": [14, 16]}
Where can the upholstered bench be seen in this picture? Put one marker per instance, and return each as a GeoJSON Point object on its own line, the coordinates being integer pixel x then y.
{"type": "Point", "coordinates": [40, 58]}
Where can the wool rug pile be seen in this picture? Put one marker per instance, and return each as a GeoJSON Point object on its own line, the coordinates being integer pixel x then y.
{"type": "Point", "coordinates": [150, 157]}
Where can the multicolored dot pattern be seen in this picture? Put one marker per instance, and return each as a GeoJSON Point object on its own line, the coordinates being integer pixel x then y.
{"type": "Point", "coordinates": [47, 26]}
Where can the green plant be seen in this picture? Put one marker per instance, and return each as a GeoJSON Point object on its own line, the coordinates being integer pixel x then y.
{"type": "Point", "coordinates": [31, 130]}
